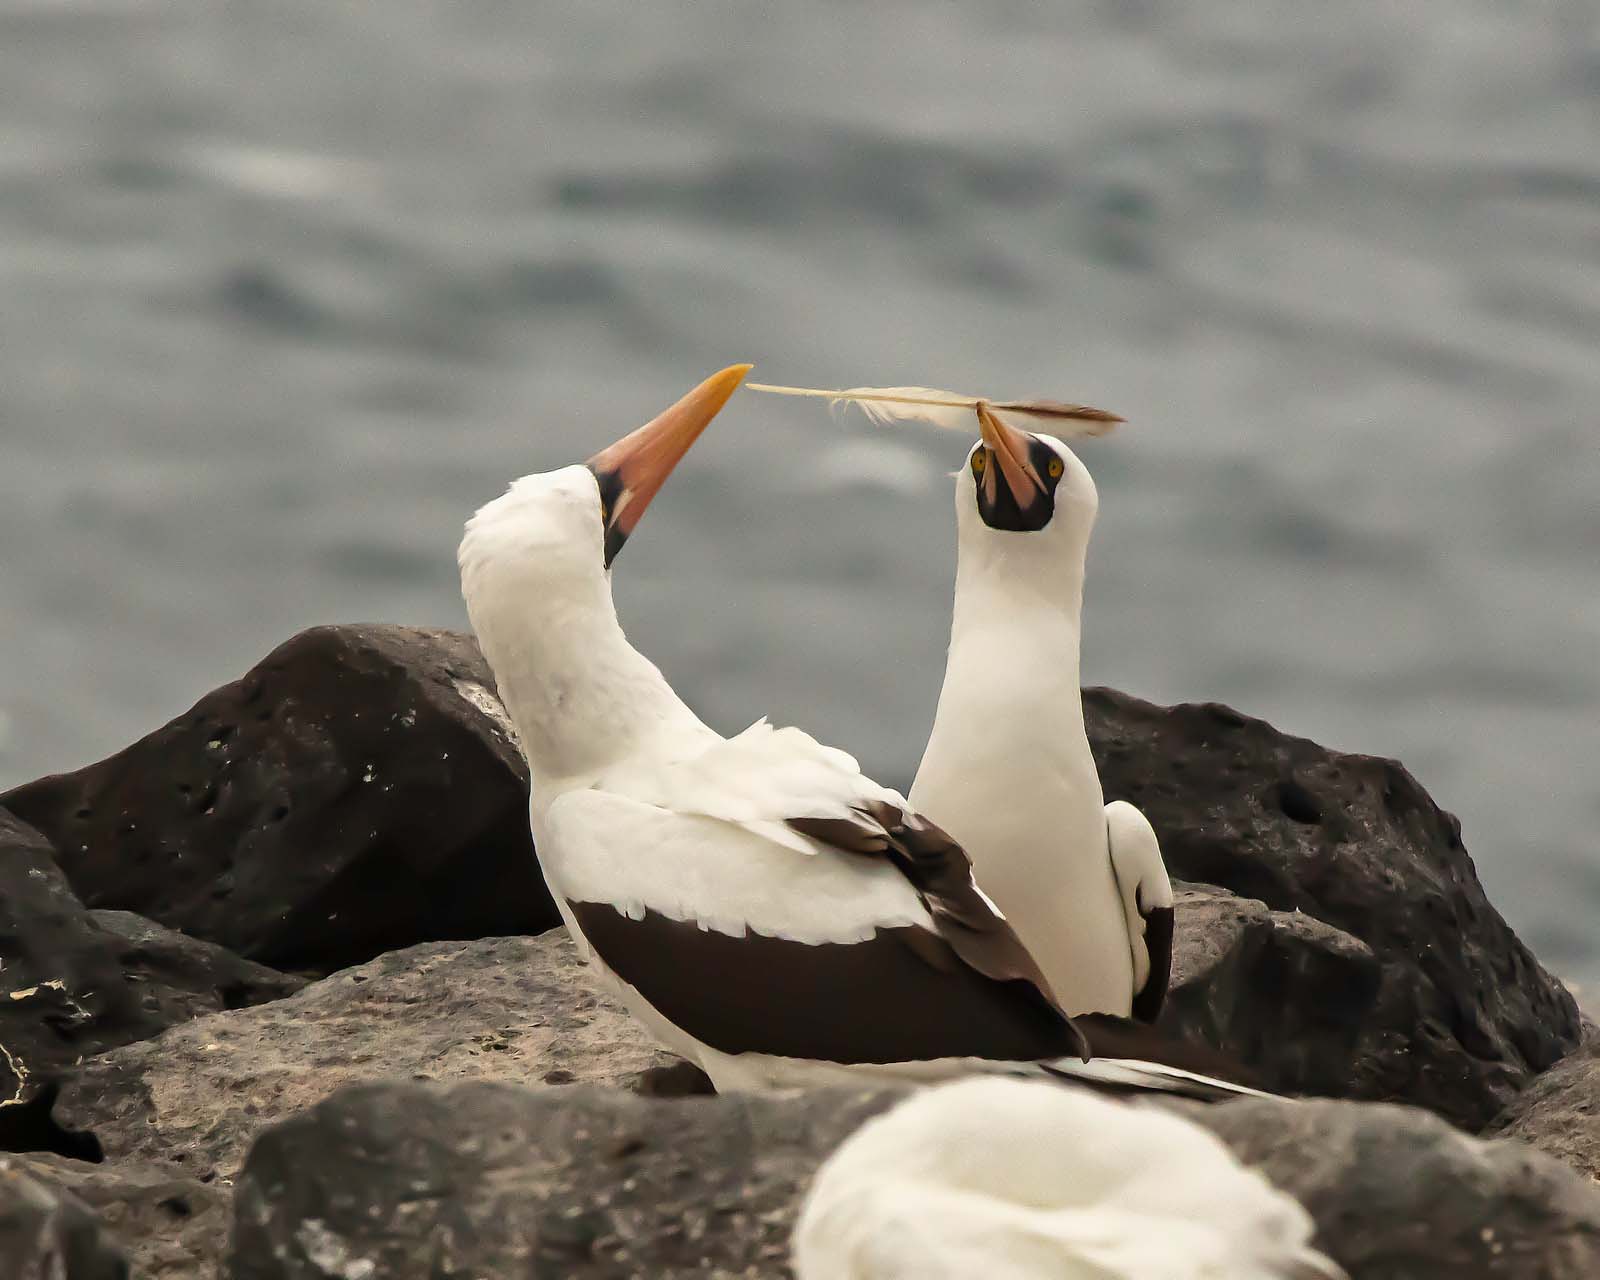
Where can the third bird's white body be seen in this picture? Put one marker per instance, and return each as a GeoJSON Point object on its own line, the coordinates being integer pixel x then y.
{"type": "Point", "coordinates": [1008, 771]}
{"type": "Point", "coordinates": [1015, 1181]}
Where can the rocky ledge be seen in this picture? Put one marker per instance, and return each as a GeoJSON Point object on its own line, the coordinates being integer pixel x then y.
{"type": "Point", "coordinates": [456, 1100]}
{"type": "Point", "coordinates": [494, 1180]}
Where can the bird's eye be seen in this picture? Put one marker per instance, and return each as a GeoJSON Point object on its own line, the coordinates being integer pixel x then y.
{"type": "Point", "coordinates": [1055, 467]}
{"type": "Point", "coordinates": [979, 462]}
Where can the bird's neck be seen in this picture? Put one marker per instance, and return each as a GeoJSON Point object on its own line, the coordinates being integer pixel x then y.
{"type": "Point", "coordinates": [582, 698]}
{"type": "Point", "coordinates": [1010, 600]}
{"type": "Point", "coordinates": [1011, 684]}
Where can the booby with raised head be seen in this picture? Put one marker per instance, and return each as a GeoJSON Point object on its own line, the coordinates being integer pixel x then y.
{"type": "Point", "coordinates": [1007, 770]}
{"type": "Point", "coordinates": [765, 909]}
{"type": "Point", "coordinates": [1016, 1181]}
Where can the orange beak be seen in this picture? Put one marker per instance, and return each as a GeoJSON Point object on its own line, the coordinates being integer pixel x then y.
{"type": "Point", "coordinates": [1010, 449]}
{"type": "Point", "coordinates": [632, 471]}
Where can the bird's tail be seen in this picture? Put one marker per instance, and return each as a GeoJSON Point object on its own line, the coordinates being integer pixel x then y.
{"type": "Point", "coordinates": [1308, 1264]}
{"type": "Point", "coordinates": [1125, 1056]}
{"type": "Point", "coordinates": [1125, 1076]}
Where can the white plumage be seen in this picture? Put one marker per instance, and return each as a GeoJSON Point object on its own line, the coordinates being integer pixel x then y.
{"type": "Point", "coordinates": [638, 808]}
{"type": "Point", "coordinates": [1007, 769]}
{"type": "Point", "coordinates": [1009, 1180]}
{"type": "Point", "coordinates": [705, 839]}
{"type": "Point", "coordinates": [767, 910]}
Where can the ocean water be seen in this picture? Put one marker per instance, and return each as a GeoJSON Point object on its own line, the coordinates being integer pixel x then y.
{"type": "Point", "coordinates": [287, 290]}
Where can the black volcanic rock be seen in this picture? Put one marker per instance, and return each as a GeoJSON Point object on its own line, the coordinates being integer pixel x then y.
{"type": "Point", "coordinates": [359, 790]}
{"type": "Point", "coordinates": [1277, 990]}
{"type": "Point", "coordinates": [61, 991]}
{"type": "Point", "coordinates": [47, 1234]}
{"type": "Point", "coordinates": [1464, 1015]}
{"type": "Point", "coordinates": [74, 983]}
{"type": "Point", "coordinates": [181, 977]}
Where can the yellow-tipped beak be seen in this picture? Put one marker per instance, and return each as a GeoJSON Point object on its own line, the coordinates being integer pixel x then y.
{"type": "Point", "coordinates": [632, 471]}
{"type": "Point", "coordinates": [1010, 449]}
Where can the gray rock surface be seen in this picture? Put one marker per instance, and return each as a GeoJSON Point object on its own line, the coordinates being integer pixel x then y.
{"type": "Point", "coordinates": [168, 1226]}
{"type": "Point", "coordinates": [409, 1182]}
{"type": "Point", "coordinates": [1278, 990]}
{"type": "Point", "coordinates": [517, 1009]}
{"type": "Point", "coordinates": [1397, 1194]}
{"type": "Point", "coordinates": [47, 1234]}
{"type": "Point", "coordinates": [321, 809]}
{"type": "Point", "coordinates": [1464, 1015]}
{"type": "Point", "coordinates": [1559, 1113]}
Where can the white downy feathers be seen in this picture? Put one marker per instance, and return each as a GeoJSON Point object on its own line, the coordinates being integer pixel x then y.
{"type": "Point", "coordinates": [1012, 1180]}
{"type": "Point", "coordinates": [957, 412]}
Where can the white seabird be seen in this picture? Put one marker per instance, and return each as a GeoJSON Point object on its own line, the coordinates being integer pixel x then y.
{"type": "Point", "coordinates": [765, 909]}
{"type": "Point", "coordinates": [1010, 1180]}
{"type": "Point", "coordinates": [1007, 770]}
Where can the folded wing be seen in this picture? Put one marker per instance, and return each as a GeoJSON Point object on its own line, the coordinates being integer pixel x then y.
{"type": "Point", "coordinates": [767, 897]}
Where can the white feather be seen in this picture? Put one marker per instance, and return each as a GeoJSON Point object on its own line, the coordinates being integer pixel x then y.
{"type": "Point", "coordinates": [955, 412]}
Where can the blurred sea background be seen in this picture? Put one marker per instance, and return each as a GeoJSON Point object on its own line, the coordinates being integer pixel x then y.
{"type": "Point", "coordinates": [287, 290]}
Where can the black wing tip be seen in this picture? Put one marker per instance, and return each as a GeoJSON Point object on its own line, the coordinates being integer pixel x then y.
{"type": "Point", "coordinates": [1194, 1088]}
{"type": "Point", "coordinates": [1152, 997]}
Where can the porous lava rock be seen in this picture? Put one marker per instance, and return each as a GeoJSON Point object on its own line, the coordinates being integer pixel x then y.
{"type": "Point", "coordinates": [411, 1182]}
{"type": "Point", "coordinates": [1397, 1194]}
{"type": "Point", "coordinates": [1277, 990]}
{"type": "Point", "coordinates": [168, 1226]}
{"type": "Point", "coordinates": [1559, 1113]}
{"type": "Point", "coordinates": [180, 977]}
{"type": "Point", "coordinates": [1464, 1016]}
{"type": "Point", "coordinates": [408, 1182]}
{"type": "Point", "coordinates": [360, 789]}
{"type": "Point", "coordinates": [518, 1009]}
{"type": "Point", "coordinates": [74, 983]}
{"type": "Point", "coordinates": [47, 1234]}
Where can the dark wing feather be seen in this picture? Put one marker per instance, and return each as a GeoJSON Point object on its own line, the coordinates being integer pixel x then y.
{"type": "Point", "coordinates": [940, 871]}
{"type": "Point", "coordinates": [902, 995]}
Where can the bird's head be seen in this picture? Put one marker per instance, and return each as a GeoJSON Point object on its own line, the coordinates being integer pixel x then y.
{"type": "Point", "coordinates": [570, 524]}
{"type": "Point", "coordinates": [1026, 489]}
{"type": "Point", "coordinates": [535, 575]}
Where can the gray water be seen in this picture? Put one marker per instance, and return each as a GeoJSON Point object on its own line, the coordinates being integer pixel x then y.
{"type": "Point", "coordinates": [287, 290]}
